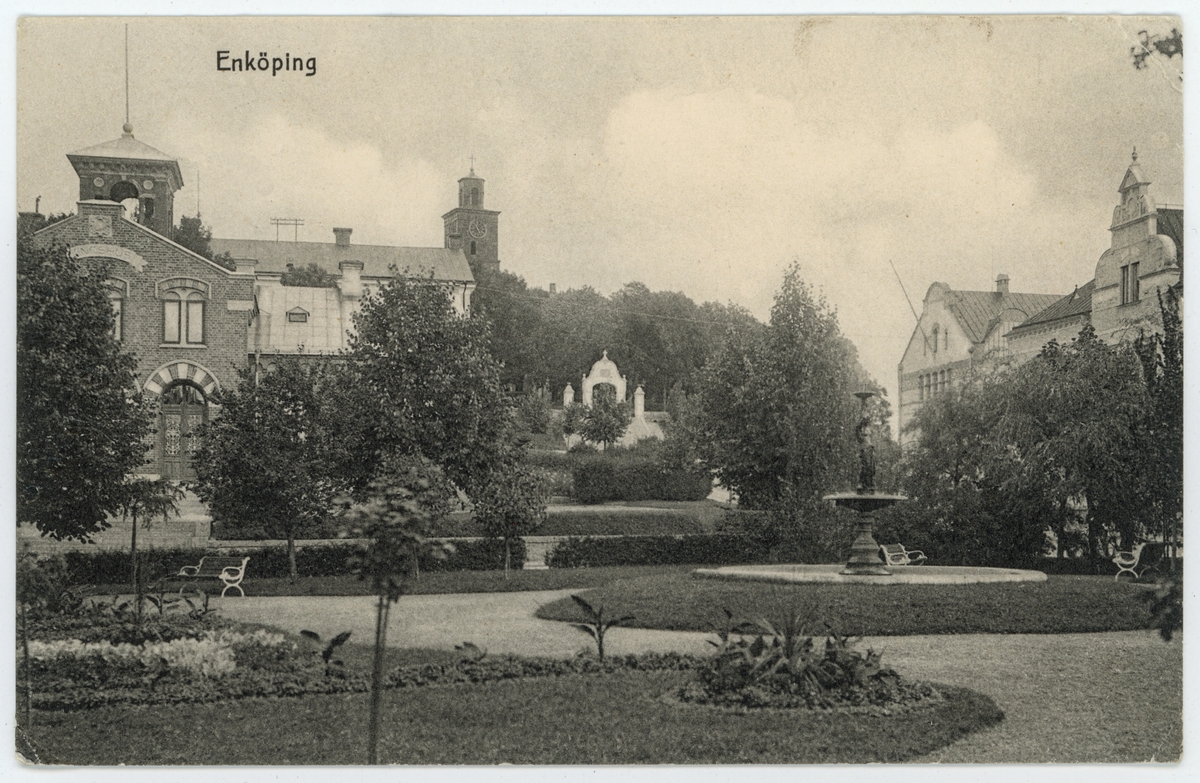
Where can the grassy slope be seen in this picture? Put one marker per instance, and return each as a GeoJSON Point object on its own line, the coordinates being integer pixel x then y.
{"type": "Point", "coordinates": [570, 720]}
{"type": "Point", "coordinates": [1062, 604]}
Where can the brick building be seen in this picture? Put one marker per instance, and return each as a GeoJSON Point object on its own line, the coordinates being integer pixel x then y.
{"type": "Point", "coordinates": [194, 324]}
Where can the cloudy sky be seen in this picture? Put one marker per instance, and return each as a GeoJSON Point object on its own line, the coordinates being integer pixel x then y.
{"type": "Point", "coordinates": [692, 154]}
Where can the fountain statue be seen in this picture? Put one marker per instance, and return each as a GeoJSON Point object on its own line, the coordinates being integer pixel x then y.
{"type": "Point", "coordinates": [864, 554]}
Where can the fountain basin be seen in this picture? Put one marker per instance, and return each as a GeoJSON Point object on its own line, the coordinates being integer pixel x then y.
{"type": "Point", "coordinates": [900, 575]}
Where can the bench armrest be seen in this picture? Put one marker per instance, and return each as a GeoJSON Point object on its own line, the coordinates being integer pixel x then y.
{"type": "Point", "coordinates": [189, 571]}
{"type": "Point", "coordinates": [232, 571]}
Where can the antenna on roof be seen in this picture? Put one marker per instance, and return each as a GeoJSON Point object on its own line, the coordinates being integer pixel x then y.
{"type": "Point", "coordinates": [127, 77]}
{"type": "Point", "coordinates": [910, 304]}
{"type": "Point", "coordinates": [282, 221]}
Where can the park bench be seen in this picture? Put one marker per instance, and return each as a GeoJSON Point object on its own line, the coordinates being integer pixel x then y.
{"type": "Point", "coordinates": [230, 570]}
{"type": "Point", "coordinates": [1140, 560]}
{"type": "Point", "coordinates": [897, 555]}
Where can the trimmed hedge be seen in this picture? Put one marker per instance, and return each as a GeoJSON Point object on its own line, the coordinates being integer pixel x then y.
{"type": "Point", "coordinates": [599, 479]}
{"type": "Point", "coordinates": [112, 566]}
{"type": "Point", "coordinates": [656, 550]}
{"type": "Point", "coordinates": [620, 522]}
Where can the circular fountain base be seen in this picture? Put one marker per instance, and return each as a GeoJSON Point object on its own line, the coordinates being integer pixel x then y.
{"type": "Point", "coordinates": [900, 575]}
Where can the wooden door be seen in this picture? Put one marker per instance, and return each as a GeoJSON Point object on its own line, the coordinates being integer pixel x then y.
{"type": "Point", "coordinates": [184, 409]}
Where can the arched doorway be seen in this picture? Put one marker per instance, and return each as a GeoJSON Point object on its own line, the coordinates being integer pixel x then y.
{"type": "Point", "coordinates": [183, 408]}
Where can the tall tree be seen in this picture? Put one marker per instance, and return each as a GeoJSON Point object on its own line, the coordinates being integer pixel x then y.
{"type": "Point", "coordinates": [81, 424]}
{"type": "Point", "coordinates": [266, 459]}
{"type": "Point", "coordinates": [776, 411]}
{"type": "Point", "coordinates": [431, 382]}
{"type": "Point", "coordinates": [197, 237]}
{"type": "Point", "coordinates": [512, 505]}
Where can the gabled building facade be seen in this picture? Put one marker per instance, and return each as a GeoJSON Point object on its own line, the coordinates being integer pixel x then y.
{"type": "Point", "coordinates": [961, 329]}
{"type": "Point", "coordinates": [955, 330]}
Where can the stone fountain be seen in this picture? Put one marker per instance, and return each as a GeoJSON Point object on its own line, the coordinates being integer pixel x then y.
{"type": "Point", "coordinates": [865, 566]}
{"type": "Point", "coordinates": [864, 553]}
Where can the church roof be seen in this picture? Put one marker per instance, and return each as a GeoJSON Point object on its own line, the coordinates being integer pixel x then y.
{"type": "Point", "coordinates": [434, 262]}
{"type": "Point", "coordinates": [977, 310]}
{"type": "Point", "coordinates": [1078, 302]}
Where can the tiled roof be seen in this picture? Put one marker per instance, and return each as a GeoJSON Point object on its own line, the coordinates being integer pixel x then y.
{"type": "Point", "coordinates": [977, 310]}
{"type": "Point", "coordinates": [1078, 302]}
{"type": "Point", "coordinates": [125, 147]}
{"type": "Point", "coordinates": [377, 260]}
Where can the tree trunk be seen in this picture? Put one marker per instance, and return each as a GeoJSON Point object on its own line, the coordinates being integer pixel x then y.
{"type": "Point", "coordinates": [291, 544]}
{"type": "Point", "coordinates": [381, 621]}
{"type": "Point", "coordinates": [507, 558]}
{"type": "Point", "coordinates": [137, 572]}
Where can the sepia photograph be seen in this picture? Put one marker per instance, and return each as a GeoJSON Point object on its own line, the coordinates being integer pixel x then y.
{"type": "Point", "coordinates": [598, 390]}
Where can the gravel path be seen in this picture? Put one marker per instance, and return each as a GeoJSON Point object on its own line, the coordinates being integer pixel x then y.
{"type": "Point", "coordinates": [1106, 697]}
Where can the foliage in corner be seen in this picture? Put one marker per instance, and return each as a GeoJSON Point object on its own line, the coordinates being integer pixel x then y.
{"type": "Point", "coordinates": [76, 440]}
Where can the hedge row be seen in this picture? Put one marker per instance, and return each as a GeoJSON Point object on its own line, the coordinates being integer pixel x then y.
{"type": "Point", "coordinates": [620, 522]}
{"type": "Point", "coordinates": [112, 566]}
{"type": "Point", "coordinates": [656, 550]}
{"type": "Point", "coordinates": [600, 480]}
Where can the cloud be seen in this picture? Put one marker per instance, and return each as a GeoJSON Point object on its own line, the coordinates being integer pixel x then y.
{"type": "Point", "coordinates": [277, 168]}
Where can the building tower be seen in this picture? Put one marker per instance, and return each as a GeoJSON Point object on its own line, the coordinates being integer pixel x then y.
{"type": "Point", "coordinates": [473, 229]}
{"type": "Point", "coordinates": [128, 171]}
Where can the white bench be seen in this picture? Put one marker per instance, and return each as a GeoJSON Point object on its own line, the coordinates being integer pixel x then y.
{"type": "Point", "coordinates": [897, 555]}
{"type": "Point", "coordinates": [230, 570]}
{"type": "Point", "coordinates": [1142, 558]}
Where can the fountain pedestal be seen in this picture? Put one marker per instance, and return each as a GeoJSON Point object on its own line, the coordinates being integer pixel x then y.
{"type": "Point", "coordinates": [864, 553]}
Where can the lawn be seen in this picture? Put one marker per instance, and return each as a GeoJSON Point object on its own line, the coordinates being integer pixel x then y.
{"type": "Point", "coordinates": [1062, 604]}
{"type": "Point", "coordinates": [613, 719]}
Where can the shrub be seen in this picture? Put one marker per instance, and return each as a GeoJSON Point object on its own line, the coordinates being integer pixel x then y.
{"type": "Point", "coordinates": [534, 410]}
{"type": "Point", "coordinates": [600, 479]}
{"type": "Point", "coordinates": [764, 664]}
{"type": "Point", "coordinates": [655, 550]}
{"type": "Point", "coordinates": [112, 567]}
{"type": "Point", "coordinates": [621, 522]}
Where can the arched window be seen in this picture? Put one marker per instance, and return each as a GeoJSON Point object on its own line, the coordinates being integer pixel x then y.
{"type": "Point", "coordinates": [936, 334]}
{"type": "Point", "coordinates": [474, 197]}
{"type": "Point", "coordinates": [183, 317]}
{"type": "Point", "coordinates": [116, 297]}
{"type": "Point", "coordinates": [472, 247]}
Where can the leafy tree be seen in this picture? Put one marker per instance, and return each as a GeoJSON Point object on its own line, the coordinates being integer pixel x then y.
{"type": "Point", "coordinates": [197, 237]}
{"type": "Point", "coordinates": [81, 426]}
{"type": "Point", "coordinates": [267, 457]}
{"type": "Point", "coordinates": [311, 276]}
{"type": "Point", "coordinates": [572, 420]}
{"type": "Point", "coordinates": [1165, 45]}
{"type": "Point", "coordinates": [776, 410]}
{"type": "Point", "coordinates": [606, 420]}
{"type": "Point", "coordinates": [1161, 429]}
{"type": "Point", "coordinates": [515, 313]}
{"type": "Point", "coordinates": [512, 505]}
{"type": "Point", "coordinates": [430, 384]}
{"type": "Point", "coordinates": [404, 503]}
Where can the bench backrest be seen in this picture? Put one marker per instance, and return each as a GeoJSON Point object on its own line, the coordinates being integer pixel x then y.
{"type": "Point", "coordinates": [211, 566]}
{"type": "Point", "coordinates": [893, 549]}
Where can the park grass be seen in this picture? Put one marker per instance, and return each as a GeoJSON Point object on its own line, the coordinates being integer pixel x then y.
{"type": "Point", "coordinates": [615, 719]}
{"type": "Point", "coordinates": [1062, 604]}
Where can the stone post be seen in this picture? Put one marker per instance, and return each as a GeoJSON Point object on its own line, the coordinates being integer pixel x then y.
{"type": "Point", "coordinates": [639, 403]}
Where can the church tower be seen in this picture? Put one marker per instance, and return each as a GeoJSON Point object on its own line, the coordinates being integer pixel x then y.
{"type": "Point", "coordinates": [473, 229]}
{"type": "Point", "coordinates": [127, 171]}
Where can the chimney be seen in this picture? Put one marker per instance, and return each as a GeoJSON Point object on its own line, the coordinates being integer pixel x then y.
{"type": "Point", "coordinates": [552, 289]}
{"type": "Point", "coordinates": [342, 236]}
{"type": "Point", "coordinates": [1002, 283]}
{"type": "Point", "coordinates": [351, 282]}
{"type": "Point", "coordinates": [245, 266]}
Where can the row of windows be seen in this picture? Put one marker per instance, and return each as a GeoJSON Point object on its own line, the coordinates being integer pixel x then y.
{"type": "Point", "coordinates": [183, 317]}
{"type": "Point", "coordinates": [933, 383]}
{"type": "Point", "coordinates": [1129, 283]}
